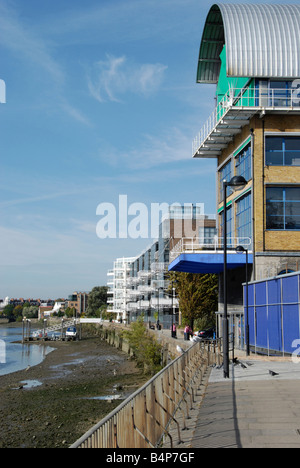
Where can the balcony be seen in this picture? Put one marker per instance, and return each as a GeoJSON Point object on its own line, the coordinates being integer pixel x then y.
{"type": "Point", "coordinates": [212, 244]}
{"type": "Point", "coordinates": [235, 110]}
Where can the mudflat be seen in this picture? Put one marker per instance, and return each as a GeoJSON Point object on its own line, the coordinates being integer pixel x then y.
{"type": "Point", "coordinates": [53, 404]}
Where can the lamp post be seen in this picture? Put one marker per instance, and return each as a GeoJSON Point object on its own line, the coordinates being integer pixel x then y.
{"type": "Point", "coordinates": [158, 323]}
{"type": "Point", "coordinates": [237, 182]}
{"type": "Point", "coordinates": [242, 249]}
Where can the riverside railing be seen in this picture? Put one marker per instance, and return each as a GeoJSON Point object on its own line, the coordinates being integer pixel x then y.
{"type": "Point", "coordinates": [143, 419]}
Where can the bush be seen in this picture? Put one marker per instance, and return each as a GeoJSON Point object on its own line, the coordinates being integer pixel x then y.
{"type": "Point", "coordinates": [146, 349]}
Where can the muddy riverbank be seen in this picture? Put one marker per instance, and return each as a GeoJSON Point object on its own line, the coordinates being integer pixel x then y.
{"type": "Point", "coordinates": [54, 403]}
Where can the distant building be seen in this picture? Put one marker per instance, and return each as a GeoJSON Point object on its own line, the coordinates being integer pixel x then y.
{"type": "Point", "coordinates": [117, 287]}
{"type": "Point", "coordinates": [78, 301]}
{"type": "Point", "coordinates": [139, 286]}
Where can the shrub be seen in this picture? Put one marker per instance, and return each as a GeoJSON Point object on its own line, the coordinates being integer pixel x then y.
{"type": "Point", "coordinates": [146, 349]}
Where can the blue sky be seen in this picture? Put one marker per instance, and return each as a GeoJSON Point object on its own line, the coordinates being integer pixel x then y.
{"type": "Point", "coordinates": [101, 101]}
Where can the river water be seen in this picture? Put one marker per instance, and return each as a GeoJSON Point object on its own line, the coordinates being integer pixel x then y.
{"type": "Point", "coordinates": [16, 356]}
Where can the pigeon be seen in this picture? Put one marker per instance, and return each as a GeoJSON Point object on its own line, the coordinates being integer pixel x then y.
{"type": "Point", "coordinates": [179, 349]}
{"type": "Point", "coordinates": [272, 373]}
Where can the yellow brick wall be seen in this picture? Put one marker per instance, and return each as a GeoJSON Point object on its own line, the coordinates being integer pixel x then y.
{"type": "Point", "coordinates": [263, 175]}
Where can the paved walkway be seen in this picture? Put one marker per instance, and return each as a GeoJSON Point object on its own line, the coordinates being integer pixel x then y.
{"type": "Point", "coordinates": [252, 409]}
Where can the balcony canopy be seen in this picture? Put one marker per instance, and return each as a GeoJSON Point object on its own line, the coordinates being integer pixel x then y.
{"type": "Point", "coordinates": [205, 262]}
{"type": "Point", "coordinates": [262, 41]}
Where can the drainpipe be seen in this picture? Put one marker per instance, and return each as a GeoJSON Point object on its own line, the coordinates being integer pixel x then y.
{"type": "Point", "coordinates": [252, 204]}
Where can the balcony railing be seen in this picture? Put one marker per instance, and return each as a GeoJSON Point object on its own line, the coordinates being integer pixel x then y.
{"type": "Point", "coordinates": [197, 244]}
{"type": "Point", "coordinates": [246, 99]}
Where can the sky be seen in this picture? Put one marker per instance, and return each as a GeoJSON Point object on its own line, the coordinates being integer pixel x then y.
{"type": "Point", "coordinates": [101, 102]}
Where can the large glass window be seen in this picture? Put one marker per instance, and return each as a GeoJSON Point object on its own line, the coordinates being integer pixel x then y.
{"type": "Point", "coordinates": [283, 208]}
{"type": "Point", "coordinates": [207, 235]}
{"type": "Point", "coordinates": [225, 174]}
{"type": "Point", "coordinates": [283, 150]}
{"type": "Point", "coordinates": [244, 219]}
{"type": "Point", "coordinates": [230, 228]}
{"type": "Point", "coordinates": [243, 162]}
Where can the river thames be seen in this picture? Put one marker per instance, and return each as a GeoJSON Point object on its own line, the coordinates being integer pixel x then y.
{"type": "Point", "coordinates": [16, 356]}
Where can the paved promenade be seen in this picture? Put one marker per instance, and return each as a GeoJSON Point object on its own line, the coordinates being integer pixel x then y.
{"type": "Point", "coordinates": [251, 409]}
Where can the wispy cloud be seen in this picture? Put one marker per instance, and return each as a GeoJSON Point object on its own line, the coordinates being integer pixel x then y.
{"type": "Point", "coordinates": [113, 77]}
{"type": "Point", "coordinates": [32, 48]}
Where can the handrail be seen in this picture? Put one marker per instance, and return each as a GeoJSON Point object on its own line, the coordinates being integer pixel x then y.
{"type": "Point", "coordinates": [194, 244]}
{"type": "Point", "coordinates": [142, 420]}
{"type": "Point", "coordinates": [246, 98]}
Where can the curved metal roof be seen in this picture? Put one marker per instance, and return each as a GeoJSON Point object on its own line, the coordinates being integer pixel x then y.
{"type": "Point", "coordinates": [261, 41]}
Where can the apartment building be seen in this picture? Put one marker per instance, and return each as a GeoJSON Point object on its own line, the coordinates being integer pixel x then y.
{"type": "Point", "coordinates": [117, 288]}
{"type": "Point", "coordinates": [139, 286]}
{"type": "Point", "coordinates": [251, 54]}
{"type": "Point", "coordinates": [78, 301]}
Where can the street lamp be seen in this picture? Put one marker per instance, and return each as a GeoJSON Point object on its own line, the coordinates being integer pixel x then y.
{"type": "Point", "coordinates": [242, 249]}
{"type": "Point", "coordinates": [158, 324]}
{"type": "Point", "coordinates": [237, 183]}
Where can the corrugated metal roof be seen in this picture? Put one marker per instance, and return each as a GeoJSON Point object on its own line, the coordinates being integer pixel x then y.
{"type": "Point", "coordinates": [262, 41]}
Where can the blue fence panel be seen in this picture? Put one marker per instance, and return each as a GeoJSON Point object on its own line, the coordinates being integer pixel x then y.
{"type": "Point", "coordinates": [251, 312]}
{"type": "Point", "coordinates": [274, 327]}
{"type": "Point", "coordinates": [290, 289]}
{"type": "Point", "coordinates": [261, 327]}
{"type": "Point", "coordinates": [274, 313]}
{"type": "Point", "coordinates": [260, 294]}
{"type": "Point", "coordinates": [274, 291]}
{"type": "Point", "coordinates": [290, 324]}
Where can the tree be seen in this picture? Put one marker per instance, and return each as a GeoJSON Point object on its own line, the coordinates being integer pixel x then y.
{"type": "Point", "coordinates": [197, 296]}
{"type": "Point", "coordinates": [146, 349]}
{"type": "Point", "coordinates": [8, 312]}
{"type": "Point", "coordinates": [97, 298]}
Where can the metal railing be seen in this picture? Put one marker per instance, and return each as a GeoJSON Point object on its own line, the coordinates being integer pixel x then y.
{"type": "Point", "coordinates": [143, 419]}
{"type": "Point", "coordinates": [246, 98]}
{"type": "Point", "coordinates": [194, 244]}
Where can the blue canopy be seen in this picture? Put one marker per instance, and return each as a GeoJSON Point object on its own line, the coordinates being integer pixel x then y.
{"type": "Point", "coordinates": [208, 262]}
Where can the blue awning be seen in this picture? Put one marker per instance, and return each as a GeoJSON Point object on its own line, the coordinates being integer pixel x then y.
{"type": "Point", "coordinates": [208, 262]}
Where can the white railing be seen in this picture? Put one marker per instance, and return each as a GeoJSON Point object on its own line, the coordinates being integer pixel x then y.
{"type": "Point", "coordinates": [247, 98]}
{"type": "Point", "coordinates": [196, 244]}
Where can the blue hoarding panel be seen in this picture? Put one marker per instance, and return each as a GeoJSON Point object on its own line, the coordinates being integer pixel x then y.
{"type": "Point", "coordinates": [274, 313]}
{"type": "Point", "coordinates": [261, 327]}
{"type": "Point", "coordinates": [290, 289]}
{"type": "Point", "coordinates": [290, 326]}
{"type": "Point", "coordinates": [260, 294]}
{"type": "Point", "coordinates": [274, 291]}
{"type": "Point", "coordinates": [274, 327]}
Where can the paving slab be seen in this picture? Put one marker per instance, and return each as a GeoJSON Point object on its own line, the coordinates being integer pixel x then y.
{"type": "Point", "coordinates": [252, 409]}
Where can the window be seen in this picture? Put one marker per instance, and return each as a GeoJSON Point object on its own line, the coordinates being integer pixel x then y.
{"type": "Point", "coordinates": [207, 235]}
{"type": "Point", "coordinates": [283, 150]}
{"type": "Point", "coordinates": [230, 229]}
{"type": "Point", "coordinates": [280, 93]}
{"type": "Point", "coordinates": [283, 208]}
{"type": "Point", "coordinates": [243, 162]}
{"type": "Point", "coordinates": [225, 174]}
{"type": "Point", "coordinates": [243, 219]}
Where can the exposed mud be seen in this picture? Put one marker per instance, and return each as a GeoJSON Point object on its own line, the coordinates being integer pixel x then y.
{"type": "Point", "coordinates": [53, 404]}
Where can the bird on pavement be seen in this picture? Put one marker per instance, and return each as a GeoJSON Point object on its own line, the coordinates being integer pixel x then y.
{"type": "Point", "coordinates": [272, 373]}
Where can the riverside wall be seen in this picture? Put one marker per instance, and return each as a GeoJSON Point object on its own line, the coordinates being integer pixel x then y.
{"type": "Point", "coordinates": [112, 334]}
